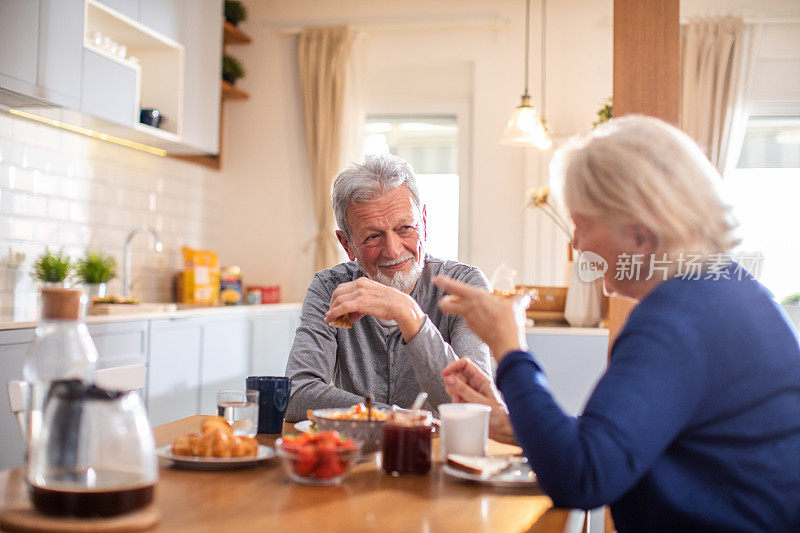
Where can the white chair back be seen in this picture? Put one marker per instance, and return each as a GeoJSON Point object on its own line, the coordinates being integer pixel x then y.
{"type": "Point", "coordinates": [18, 399]}
{"type": "Point", "coordinates": [124, 378]}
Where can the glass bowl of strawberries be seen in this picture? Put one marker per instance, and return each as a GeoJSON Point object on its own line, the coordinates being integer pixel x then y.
{"type": "Point", "coordinates": [317, 457]}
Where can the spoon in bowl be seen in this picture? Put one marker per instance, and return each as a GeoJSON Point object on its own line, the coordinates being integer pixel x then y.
{"type": "Point", "coordinates": [421, 397]}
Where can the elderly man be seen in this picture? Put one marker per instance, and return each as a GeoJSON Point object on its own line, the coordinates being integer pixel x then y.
{"type": "Point", "coordinates": [400, 341]}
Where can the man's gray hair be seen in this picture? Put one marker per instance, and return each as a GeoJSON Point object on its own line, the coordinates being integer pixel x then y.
{"type": "Point", "coordinates": [378, 174]}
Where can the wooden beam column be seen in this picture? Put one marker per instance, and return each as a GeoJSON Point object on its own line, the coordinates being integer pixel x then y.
{"type": "Point", "coordinates": [646, 82]}
{"type": "Point", "coordinates": [647, 58]}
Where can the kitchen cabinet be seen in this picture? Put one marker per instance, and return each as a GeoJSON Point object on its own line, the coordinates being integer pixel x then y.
{"type": "Point", "coordinates": [215, 107]}
{"type": "Point", "coordinates": [173, 370]}
{"type": "Point", "coordinates": [19, 24]}
{"type": "Point", "coordinates": [129, 8]}
{"type": "Point", "coordinates": [573, 360]}
{"type": "Point", "coordinates": [47, 52]}
{"type": "Point", "coordinates": [201, 35]}
{"type": "Point", "coordinates": [165, 16]}
{"type": "Point", "coordinates": [40, 52]}
{"type": "Point", "coordinates": [272, 338]}
{"type": "Point", "coordinates": [60, 54]}
{"type": "Point", "coordinates": [190, 360]}
{"type": "Point", "coordinates": [121, 354]}
{"type": "Point", "coordinates": [109, 89]}
{"type": "Point", "coordinates": [13, 346]}
{"type": "Point", "coordinates": [226, 359]}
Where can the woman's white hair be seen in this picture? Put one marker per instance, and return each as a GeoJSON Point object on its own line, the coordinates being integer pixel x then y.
{"type": "Point", "coordinates": [378, 174]}
{"type": "Point", "coordinates": [641, 170]}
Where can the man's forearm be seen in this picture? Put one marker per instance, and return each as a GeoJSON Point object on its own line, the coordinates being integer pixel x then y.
{"type": "Point", "coordinates": [429, 354]}
{"type": "Point", "coordinates": [410, 320]}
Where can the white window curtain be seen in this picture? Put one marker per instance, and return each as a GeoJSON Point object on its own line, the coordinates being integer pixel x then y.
{"type": "Point", "coordinates": [717, 63]}
{"type": "Point", "coordinates": [324, 56]}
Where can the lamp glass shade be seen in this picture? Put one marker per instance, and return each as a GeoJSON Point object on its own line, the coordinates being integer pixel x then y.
{"type": "Point", "coordinates": [525, 128]}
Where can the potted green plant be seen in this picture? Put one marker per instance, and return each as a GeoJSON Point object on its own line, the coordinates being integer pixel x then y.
{"type": "Point", "coordinates": [235, 12]}
{"type": "Point", "coordinates": [52, 268]}
{"type": "Point", "coordinates": [95, 270]}
{"type": "Point", "coordinates": [604, 113]}
{"type": "Point", "coordinates": [232, 69]}
{"type": "Point", "coordinates": [791, 304]}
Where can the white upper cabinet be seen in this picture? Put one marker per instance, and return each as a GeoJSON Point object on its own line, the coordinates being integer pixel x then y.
{"type": "Point", "coordinates": [19, 26]}
{"type": "Point", "coordinates": [109, 59]}
{"type": "Point", "coordinates": [60, 54]}
{"type": "Point", "coordinates": [164, 16]}
{"type": "Point", "coordinates": [201, 34]}
{"type": "Point", "coordinates": [129, 8]}
{"type": "Point", "coordinates": [109, 89]}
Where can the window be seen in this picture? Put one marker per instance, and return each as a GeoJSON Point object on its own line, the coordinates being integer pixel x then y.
{"type": "Point", "coordinates": [764, 190]}
{"type": "Point", "coordinates": [430, 145]}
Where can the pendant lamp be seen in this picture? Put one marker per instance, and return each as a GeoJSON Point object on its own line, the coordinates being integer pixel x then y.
{"type": "Point", "coordinates": [525, 127]}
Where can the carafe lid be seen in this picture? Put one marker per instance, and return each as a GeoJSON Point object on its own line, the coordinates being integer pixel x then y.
{"type": "Point", "coordinates": [61, 304]}
{"type": "Point", "coordinates": [75, 389]}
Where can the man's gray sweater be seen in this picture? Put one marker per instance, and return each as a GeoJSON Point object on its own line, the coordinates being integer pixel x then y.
{"type": "Point", "coordinates": [334, 367]}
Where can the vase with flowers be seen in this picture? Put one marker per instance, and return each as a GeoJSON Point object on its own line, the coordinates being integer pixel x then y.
{"type": "Point", "coordinates": [584, 303]}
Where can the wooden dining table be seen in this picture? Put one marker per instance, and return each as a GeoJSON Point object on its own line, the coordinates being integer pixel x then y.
{"type": "Point", "coordinates": [263, 498]}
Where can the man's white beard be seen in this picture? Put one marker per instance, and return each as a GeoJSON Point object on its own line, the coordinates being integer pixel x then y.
{"type": "Point", "coordinates": [402, 281]}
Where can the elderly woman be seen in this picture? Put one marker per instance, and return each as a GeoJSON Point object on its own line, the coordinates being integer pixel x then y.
{"type": "Point", "coordinates": [695, 425]}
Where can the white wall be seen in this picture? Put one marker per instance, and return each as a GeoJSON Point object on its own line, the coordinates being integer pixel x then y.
{"type": "Point", "coordinates": [266, 197]}
{"type": "Point", "coordinates": [70, 192]}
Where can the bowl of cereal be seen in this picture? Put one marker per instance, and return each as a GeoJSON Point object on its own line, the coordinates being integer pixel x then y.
{"type": "Point", "coordinates": [365, 426]}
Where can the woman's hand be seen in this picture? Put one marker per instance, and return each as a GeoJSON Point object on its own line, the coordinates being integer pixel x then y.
{"type": "Point", "coordinates": [498, 321]}
{"type": "Point", "coordinates": [465, 382]}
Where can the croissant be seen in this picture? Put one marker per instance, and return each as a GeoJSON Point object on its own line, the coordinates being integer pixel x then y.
{"type": "Point", "coordinates": [215, 443]}
{"type": "Point", "coordinates": [343, 322]}
{"type": "Point", "coordinates": [184, 444]}
{"type": "Point", "coordinates": [217, 440]}
{"type": "Point", "coordinates": [244, 447]}
{"type": "Point", "coordinates": [215, 422]}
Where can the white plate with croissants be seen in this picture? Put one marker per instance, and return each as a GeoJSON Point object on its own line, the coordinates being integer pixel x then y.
{"type": "Point", "coordinates": [215, 448]}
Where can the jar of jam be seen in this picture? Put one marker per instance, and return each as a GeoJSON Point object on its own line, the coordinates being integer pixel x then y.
{"type": "Point", "coordinates": [407, 443]}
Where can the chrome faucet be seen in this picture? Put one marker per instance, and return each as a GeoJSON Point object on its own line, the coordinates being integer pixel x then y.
{"type": "Point", "coordinates": [127, 283]}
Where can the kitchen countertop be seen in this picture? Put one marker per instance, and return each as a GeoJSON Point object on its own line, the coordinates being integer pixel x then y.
{"type": "Point", "coordinates": [8, 322]}
{"type": "Point", "coordinates": [567, 330]}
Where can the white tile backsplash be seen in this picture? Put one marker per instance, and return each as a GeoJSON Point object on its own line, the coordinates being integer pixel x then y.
{"type": "Point", "coordinates": [67, 191]}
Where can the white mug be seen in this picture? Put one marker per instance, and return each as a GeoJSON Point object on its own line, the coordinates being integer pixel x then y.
{"type": "Point", "coordinates": [464, 428]}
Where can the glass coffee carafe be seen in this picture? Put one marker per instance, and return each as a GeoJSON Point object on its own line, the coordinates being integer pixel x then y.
{"type": "Point", "coordinates": [95, 455]}
{"type": "Point", "coordinates": [90, 451]}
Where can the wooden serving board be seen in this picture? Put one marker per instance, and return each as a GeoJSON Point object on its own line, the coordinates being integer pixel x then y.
{"type": "Point", "coordinates": [27, 519]}
{"type": "Point", "coordinates": [127, 309]}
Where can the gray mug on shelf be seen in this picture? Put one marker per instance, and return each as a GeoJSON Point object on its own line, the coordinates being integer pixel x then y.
{"type": "Point", "coordinates": [273, 397]}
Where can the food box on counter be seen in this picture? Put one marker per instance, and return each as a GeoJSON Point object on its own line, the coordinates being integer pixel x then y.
{"type": "Point", "coordinates": [230, 286]}
{"type": "Point", "coordinates": [199, 281]}
{"type": "Point", "coordinates": [270, 294]}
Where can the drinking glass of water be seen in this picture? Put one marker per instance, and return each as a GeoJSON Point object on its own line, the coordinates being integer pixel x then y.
{"type": "Point", "coordinates": [240, 409]}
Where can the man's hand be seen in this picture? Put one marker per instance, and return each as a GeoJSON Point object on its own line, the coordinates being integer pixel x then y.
{"type": "Point", "coordinates": [367, 297]}
{"type": "Point", "coordinates": [465, 382]}
{"type": "Point", "coordinates": [498, 321]}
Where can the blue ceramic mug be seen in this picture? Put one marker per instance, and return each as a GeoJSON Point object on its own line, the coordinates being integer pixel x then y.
{"type": "Point", "coordinates": [273, 397]}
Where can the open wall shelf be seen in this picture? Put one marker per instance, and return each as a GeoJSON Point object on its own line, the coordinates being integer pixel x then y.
{"type": "Point", "coordinates": [157, 61]}
{"type": "Point", "coordinates": [233, 35]}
